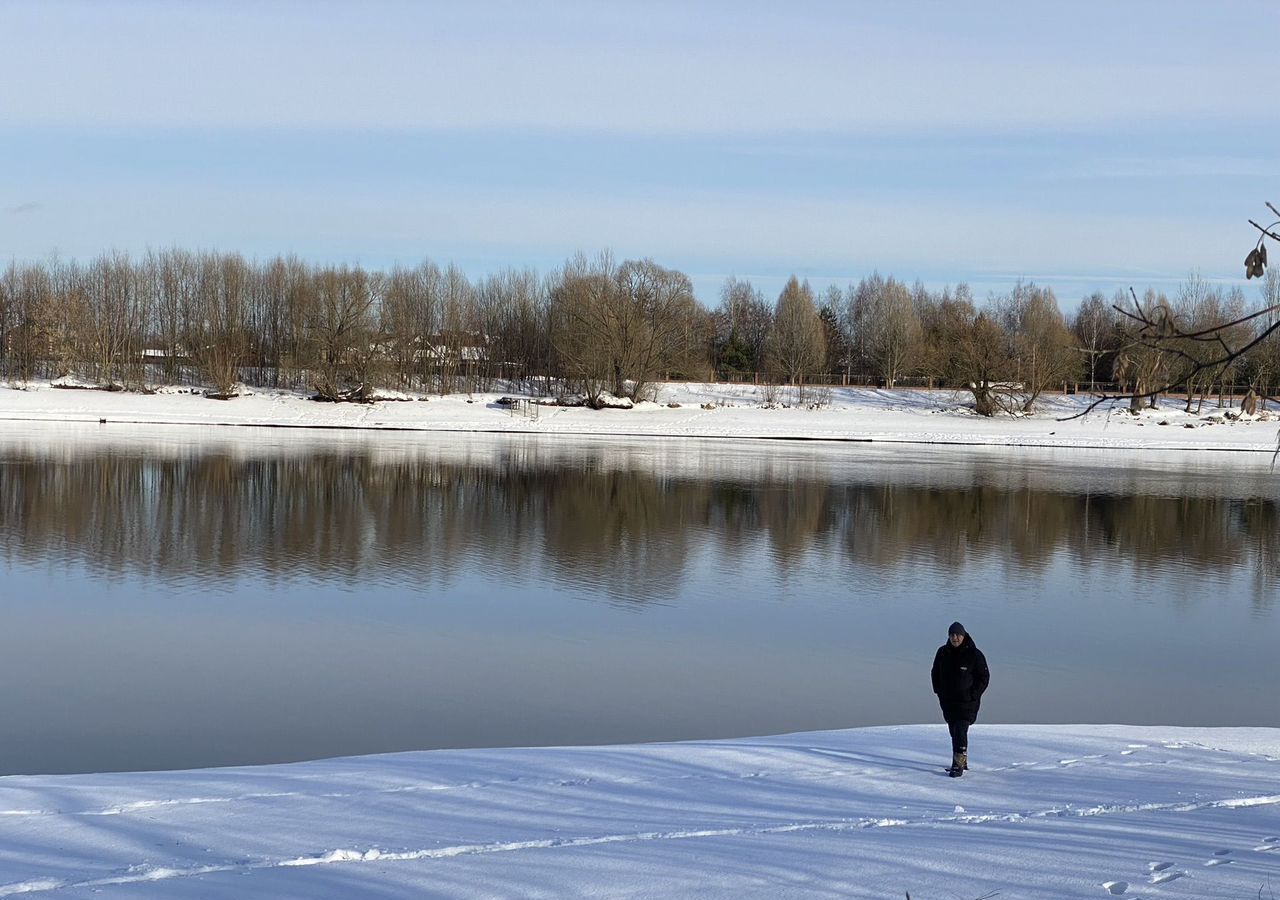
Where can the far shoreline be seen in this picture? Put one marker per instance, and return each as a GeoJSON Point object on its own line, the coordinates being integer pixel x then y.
{"type": "Point", "coordinates": [685, 410]}
{"type": "Point", "coordinates": [807, 439]}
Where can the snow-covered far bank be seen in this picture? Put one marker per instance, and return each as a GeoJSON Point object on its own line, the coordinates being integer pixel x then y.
{"type": "Point", "coordinates": [682, 410]}
{"type": "Point", "coordinates": [1046, 811]}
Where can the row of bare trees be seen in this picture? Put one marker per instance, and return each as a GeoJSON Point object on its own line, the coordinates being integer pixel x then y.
{"type": "Point", "coordinates": [1019, 344]}
{"type": "Point", "coordinates": [599, 326]}
{"type": "Point", "coordinates": [596, 326]}
{"type": "Point", "coordinates": [1200, 341]}
{"type": "Point", "coordinates": [217, 319]}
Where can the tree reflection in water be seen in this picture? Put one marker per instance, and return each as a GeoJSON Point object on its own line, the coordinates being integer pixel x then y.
{"type": "Point", "coordinates": [362, 514]}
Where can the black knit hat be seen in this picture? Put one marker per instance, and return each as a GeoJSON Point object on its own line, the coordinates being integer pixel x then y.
{"type": "Point", "coordinates": [956, 628]}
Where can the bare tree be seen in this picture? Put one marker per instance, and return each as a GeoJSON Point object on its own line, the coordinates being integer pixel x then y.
{"type": "Point", "coordinates": [107, 285]}
{"type": "Point", "coordinates": [512, 314]}
{"type": "Point", "coordinates": [8, 320]}
{"type": "Point", "coordinates": [266, 321]}
{"type": "Point", "coordinates": [341, 331]}
{"type": "Point", "coordinates": [893, 330]}
{"type": "Point", "coordinates": [26, 293]}
{"type": "Point", "coordinates": [1196, 307]}
{"type": "Point", "coordinates": [796, 344]}
{"type": "Point", "coordinates": [409, 319]}
{"type": "Point", "coordinates": [860, 314]}
{"type": "Point", "coordinates": [1237, 331]}
{"type": "Point", "coordinates": [65, 319]}
{"type": "Point", "coordinates": [216, 330]}
{"type": "Point", "coordinates": [172, 277]}
{"type": "Point", "coordinates": [624, 326]}
{"type": "Point", "coordinates": [1264, 360]}
{"type": "Point", "coordinates": [458, 338]}
{"type": "Point", "coordinates": [664, 324]}
{"type": "Point", "coordinates": [287, 290]}
{"type": "Point", "coordinates": [582, 304]}
{"type": "Point", "coordinates": [1144, 368]}
{"type": "Point", "coordinates": [942, 316]}
{"type": "Point", "coordinates": [975, 353]}
{"type": "Point", "coordinates": [1044, 348]}
{"type": "Point", "coordinates": [1096, 327]}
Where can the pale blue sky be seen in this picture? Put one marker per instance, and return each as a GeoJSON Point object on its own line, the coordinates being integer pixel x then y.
{"type": "Point", "coordinates": [1083, 145]}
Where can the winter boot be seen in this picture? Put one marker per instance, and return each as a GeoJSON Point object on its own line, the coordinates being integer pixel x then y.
{"type": "Point", "coordinates": [963, 757]}
{"type": "Point", "coordinates": [957, 768]}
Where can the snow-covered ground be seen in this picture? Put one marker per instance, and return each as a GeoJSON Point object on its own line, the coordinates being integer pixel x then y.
{"type": "Point", "coordinates": [1046, 812]}
{"type": "Point", "coordinates": [703, 410]}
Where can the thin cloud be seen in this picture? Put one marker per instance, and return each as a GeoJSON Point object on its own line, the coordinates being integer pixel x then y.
{"type": "Point", "coordinates": [21, 208]}
{"type": "Point", "coordinates": [628, 67]}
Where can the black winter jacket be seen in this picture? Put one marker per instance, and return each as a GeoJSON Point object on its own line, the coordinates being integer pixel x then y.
{"type": "Point", "coordinates": [960, 676]}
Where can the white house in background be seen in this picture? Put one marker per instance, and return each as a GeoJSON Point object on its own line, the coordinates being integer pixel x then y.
{"type": "Point", "coordinates": [454, 348]}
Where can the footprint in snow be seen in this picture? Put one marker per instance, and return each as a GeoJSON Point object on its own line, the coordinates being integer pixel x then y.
{"type": "Point", "coordinates": [1160, 872]}
{"type": "Point", "coordinates": [1075, 761]}
{"type": "Point", "coordinates": [1269, 843]}
{"type": "Point", "coordinates": [1219, 858]}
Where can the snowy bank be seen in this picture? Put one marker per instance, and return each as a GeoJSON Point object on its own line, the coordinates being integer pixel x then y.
{"type": "Point", "coordinates": [682, 410]}
{"type": "Point", "coordinates": [1047, 811]}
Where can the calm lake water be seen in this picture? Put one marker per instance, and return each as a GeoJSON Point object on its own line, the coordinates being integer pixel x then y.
{"type": "Point", "coordinates": [184, 597]}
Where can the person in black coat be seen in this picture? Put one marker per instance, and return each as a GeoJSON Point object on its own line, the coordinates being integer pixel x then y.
{"type": "Point", "coordinates": [960, 676]}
